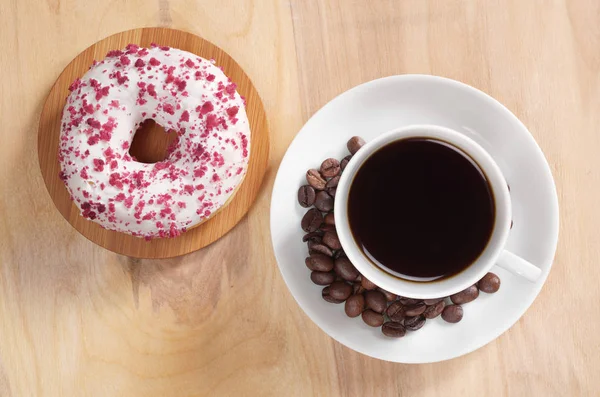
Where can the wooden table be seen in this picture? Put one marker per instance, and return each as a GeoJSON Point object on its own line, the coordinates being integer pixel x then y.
{"type": "Point", "coordinates": [77, 320]}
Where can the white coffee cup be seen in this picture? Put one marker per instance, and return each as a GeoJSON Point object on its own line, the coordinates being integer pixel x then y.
{"type": "Point", "coordinates": [493, 254]}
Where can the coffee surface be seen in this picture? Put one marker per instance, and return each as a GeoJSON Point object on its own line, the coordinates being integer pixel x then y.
{"type": "Point", "coordinates": [421, 208]}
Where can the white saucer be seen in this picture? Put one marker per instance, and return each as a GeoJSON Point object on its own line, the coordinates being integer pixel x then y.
{"type": "Point", "coordinates": [379, 106]}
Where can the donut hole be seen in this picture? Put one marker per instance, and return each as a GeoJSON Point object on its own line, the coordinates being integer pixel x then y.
{"type": "Point", "coordinates": [151, 142]}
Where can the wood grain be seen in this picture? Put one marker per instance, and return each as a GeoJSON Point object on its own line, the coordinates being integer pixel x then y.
{"type": "Point", "coordinates": [152, 145]}
{"type": "Point", "coordinates": [78, 320]}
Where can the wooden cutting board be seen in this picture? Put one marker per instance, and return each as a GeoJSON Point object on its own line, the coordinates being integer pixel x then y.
{"type": "Point", "coordinates": [151, 144]}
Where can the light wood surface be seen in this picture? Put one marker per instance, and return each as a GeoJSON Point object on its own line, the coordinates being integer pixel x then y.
{"type": "Point", "coordinates": [150, 142]}
{"type": "Point", "coordinates": [78, 320]}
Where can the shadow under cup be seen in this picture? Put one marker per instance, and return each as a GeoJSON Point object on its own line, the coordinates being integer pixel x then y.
{"type": "Point", "coordinates": [421, 209]}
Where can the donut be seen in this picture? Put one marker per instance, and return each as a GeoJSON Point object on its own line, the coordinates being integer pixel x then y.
{"type": "Point", "coordinates": [180, 91]}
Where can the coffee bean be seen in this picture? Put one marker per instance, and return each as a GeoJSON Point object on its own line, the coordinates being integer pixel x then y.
{"type": "Point", "coordinates": [376, 301]}
{"type": "Point", "coordinates": [372, 318]}
{"type": "Point", "coordinates": [326, 295]}
{"type": "Point", "coordinates": [314, 179]}
{"type": "Point", "coordinates": [430, 302]}
{"type": "Point", "coordinates": [312, 220]}
{"type": "Point", "coordinates": [315, 247]}
{"type": "Point", "coordinates": [409, 301]}
{"type": "Point", "coordinates": [434, 310]}
{"type": "Point", "coordinates": [390, 297]}
{"type": "Point", "coordinates": [315, 236]}
{"type": "Point", "coordinates": [327, 228]}
{"type": "Point", "coordinates": [329, 219]}
{"type": "Point", "coordinates": [330, 168]}
{"type": "Point", "coordinates": [322, 278]}
{"type": "Point", "coordinates": [355, 305]}
{"type": "Point", "coordinates": [345, 162]}
{"type": "Point", "coordinates": [339, 254]}
{"type": "Point", "coordinates": [345, 269]}
{"type": "Point", "coordinates": [354, 144]}
{"type": "Point", "coordinates": [414, 323]}
{"type": "Point", "coordinates": [323, 201]}
{"type": "Point", "coordinates": [306, 196]}
{"type": "Point", "coordinates": [331, 240]}
{"type": "Point", "coordinates": [333, 182]}
{"type": "Point", "coordinates": [452, 313]}
{"type": "Point", "coordinates": [490, 283]}
{"type": "Point", "coordinates": [415, 309]}
{"type": "Point", "coordinates": [395, 311]}
{"type": "Point", "coordinates": [367, 284]}
{"type": "Point", "coordinates": [331, 191]}
{"type": "Point", "coordinates": [340, 290]}
{"type": "Point", "coordinates": [465, 296]}
{"type": "Point", "coordinates": [393, 329]}
{"type": "Point", "coordinates": [319, 263]}
{"type": "Point", "coordinates": [357, 288]}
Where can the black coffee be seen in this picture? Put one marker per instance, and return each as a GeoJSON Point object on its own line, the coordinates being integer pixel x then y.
{"type": "Point", "coordinates": [421, 208]}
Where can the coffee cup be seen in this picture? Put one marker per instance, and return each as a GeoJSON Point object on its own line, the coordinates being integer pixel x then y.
{"type": "Point", "coordinates": [494, 253]}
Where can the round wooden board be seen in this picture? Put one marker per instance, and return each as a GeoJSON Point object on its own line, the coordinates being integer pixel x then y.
{"type": "Point", "coordinates": [193, 239]}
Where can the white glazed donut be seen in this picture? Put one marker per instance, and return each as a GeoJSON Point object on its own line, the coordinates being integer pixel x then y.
{"type": "Point", "coordinates": [181, 92]}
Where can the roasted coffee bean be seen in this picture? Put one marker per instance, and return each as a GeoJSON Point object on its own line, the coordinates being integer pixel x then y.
{"type": "Point", "coordinates": [355, 305]}
{"type": "Point", "coordinates": [389, 296]}
{"type": "Point", "coordinates": [323, 201]}
{"type": "Point", "coordinates": [329, 219]}
{"type": "Point", "coordinates": [315, 236]}
{"type": "Point", "coordinates": [434, 310]}
{"type": "Point", "coordinates": [319, 263]}
{"type": "Point", "coordinates": [345, 162]}
{"type": "Point", "coordinates": [372, 318]}
{"type": "Point", "coordinates": [326, 295]}
{"type": "Point", "coordinates": [327, 228]}
{"type": "Point", "coordinates": [415, 309]}
{"type": "Point", "coordinates": [333, 182]}
{"type": "Point", "coordinates": [339, 254]}
{"type": "Point", "coordinates": [318, 248]}
{"type": "Point", "coordinates": [452, 313]}
{"type": "Point", "coordinates": [376, 301]}
{"type": "Point", "coordinates": [306, 196]}
{"type": "Point", "coordinates": [331, 239]}
{"type": "Point", "coordinates": [465, 296]}
{"type": "Point", "coordinates": [393, 329]}
{"type": "Point", "coordinates": [357, 288]}
{"type": "Point", "coordinates": [312, 220]}
{"type": "Point", "coordinates": [345, 269]}
{"type": "Point", "coordinates": [322, 278]}
{"type": "Point", "coordinates": [340, 290]}
{"type": "Point", "coordinates": [430, 302]}
{"type": "Point", "coordinates": [489, 284]}
{"type": "Point", "coordinates": [367, 284]}
{"type": "Point", "coordinates": [330, 168]}
{"type": "Point", "coordinates": [414, 323]}
{"type": "Point", "coordinates": [395, 311]}
{"type": "Point", "coordinates": [331, 191]}
{"type": "Point", "coordinates": [409, 301]}
{"type": "Point", "coordinates": [354, 144]}
{"type": "Point", "coordinates": [314, 179]}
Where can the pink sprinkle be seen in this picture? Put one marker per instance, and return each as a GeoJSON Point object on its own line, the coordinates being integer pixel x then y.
{"type": "Point", "coordinates": [189, 63]}
{"type": "Point", "coordinates": [232, 111]}
{"type": "Point", "coordinates": [185, 116]}
{"type": "Point", "coordinates": [169, 108]}
{"type": "Point", "coordinates": [210, 77]}
{"type": "Point", "coordinates": [125, 60]}
{"type": "Point", "coordinates": [98, 165]}
{"type": "Point", "coordinates": [154, 62]}
{"type": "Point", "coordinates": [139, 63]}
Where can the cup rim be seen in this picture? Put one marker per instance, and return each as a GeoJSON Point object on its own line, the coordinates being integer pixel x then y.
{"type": "Point", "coordinates": [446, 286]}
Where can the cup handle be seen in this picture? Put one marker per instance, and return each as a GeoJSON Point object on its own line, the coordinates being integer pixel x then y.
{"type": "Point", "coordinates": [519, 266]}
